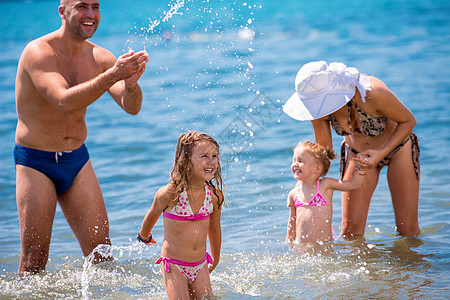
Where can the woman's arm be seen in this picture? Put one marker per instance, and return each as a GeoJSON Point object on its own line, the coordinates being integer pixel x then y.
{"type": "Point", "coordinates": [322, 132]}
{"type": "Point", "coordinates": [387, 104]}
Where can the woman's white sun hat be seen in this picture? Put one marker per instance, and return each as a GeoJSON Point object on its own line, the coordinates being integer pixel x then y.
{"type": "Point", "coordinates": [321, 89]}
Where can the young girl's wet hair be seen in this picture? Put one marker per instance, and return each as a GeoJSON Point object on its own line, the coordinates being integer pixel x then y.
{"type": "Point", "coordinates": [322, 155]}
{"type": "Point", "coordinates": [180, 172]}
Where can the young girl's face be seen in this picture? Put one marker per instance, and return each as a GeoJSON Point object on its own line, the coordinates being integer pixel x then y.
{"type": "Point", "coordinates": [303, 164]}
{"type": "Point", "coordinates": [204, 160]}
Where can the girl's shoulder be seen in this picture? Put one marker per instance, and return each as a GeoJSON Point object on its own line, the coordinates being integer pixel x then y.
{"type": "Point", "coordinates": [291, 197]}
{"type": "Point", "coordinates": [293, 191]}
{"type": "Point", "coordinates": [166, 193]}
{"type": "Point", "coordinates": [216, 194]}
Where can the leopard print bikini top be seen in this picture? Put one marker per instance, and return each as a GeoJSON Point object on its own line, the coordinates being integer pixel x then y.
{"type": "Point", "coordinates": [370, 125]}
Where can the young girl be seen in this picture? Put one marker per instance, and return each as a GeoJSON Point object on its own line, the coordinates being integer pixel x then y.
{"type": "Point", "coordinates": [191, 207]}
{"type": "Point", "coordinates": [310, 201]}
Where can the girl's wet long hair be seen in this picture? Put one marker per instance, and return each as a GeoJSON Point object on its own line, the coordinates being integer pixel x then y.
{"type": "Point", "coordinates": [180, 172]}
{"type": "Point", "coordinates": [322, 155]}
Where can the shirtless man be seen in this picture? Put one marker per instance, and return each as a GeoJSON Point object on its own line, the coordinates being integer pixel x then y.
{"type": "Point", "coordinates": [59, 75]}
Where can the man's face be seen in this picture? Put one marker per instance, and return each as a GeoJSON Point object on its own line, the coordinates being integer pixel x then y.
{"type": "Point", "coordinates": [82, 17]}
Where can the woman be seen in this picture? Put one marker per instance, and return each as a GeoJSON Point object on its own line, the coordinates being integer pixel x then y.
{"type": "Point", "coordinates": [377, 130]}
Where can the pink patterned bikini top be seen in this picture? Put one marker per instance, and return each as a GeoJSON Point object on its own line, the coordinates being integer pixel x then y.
{"type": "Point", "coordinates": [316, 200]}
{"type": "Point", "coordinates": [182, 210]}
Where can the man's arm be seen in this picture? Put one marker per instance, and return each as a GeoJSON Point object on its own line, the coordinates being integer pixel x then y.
{"type": "Point", "coordinates": [127, 93]}
{"type": "Point", "coordinates": [39, 60]}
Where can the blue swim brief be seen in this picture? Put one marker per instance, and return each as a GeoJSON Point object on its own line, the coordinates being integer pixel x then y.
{"type": "Point", "coordinates": [60, 167]}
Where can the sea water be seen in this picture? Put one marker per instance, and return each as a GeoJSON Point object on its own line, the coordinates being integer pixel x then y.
{"type": "Point", "coordinates": [226, 68]}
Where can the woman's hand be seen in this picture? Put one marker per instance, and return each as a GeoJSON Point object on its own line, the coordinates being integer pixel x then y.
{"type": "Point", "coordinates": [368, 159]}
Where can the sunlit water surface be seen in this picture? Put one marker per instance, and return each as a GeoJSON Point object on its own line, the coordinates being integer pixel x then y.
{"type": "Point", "coordinates": [225, 68]}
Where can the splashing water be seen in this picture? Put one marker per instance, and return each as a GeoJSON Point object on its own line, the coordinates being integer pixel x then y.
{"type": "Point", "coordinates": [102, 252]}
{"type": "Point", "coordinates": [167, 15]}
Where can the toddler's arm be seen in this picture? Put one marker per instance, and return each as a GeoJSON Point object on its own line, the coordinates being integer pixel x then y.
{"type": "Point", "coordinates": [358, 177]}
{"type": "Point", "coordinates": [347, 185]}
{"type": "Point", "coordinates": [291, 225]}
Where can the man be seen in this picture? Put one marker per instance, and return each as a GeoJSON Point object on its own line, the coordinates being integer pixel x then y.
{"type": "Point", "coordinates": [59, 75]}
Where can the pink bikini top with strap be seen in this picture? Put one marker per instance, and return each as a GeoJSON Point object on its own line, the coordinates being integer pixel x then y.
{"type": "Point", "coordinates": [182, 210]}
{"type": "Point", "coordinates": [316, 200]}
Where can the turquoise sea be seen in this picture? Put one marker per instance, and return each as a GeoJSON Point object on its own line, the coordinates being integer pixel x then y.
{"type": "Point", "coordinates": [226, 68]}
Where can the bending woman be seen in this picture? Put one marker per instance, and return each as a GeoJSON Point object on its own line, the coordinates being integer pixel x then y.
{"type": "Point", "coordinates": [377, 130]}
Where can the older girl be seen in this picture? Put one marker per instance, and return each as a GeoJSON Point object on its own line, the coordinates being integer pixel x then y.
{"type": "Point", "coordinates": [191, 206]}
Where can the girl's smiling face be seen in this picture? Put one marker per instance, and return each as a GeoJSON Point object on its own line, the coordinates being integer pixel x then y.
{"type": "Point", "coordinates": [303, 164]}
{"type": "Point", "coordinates": [204, 161]}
